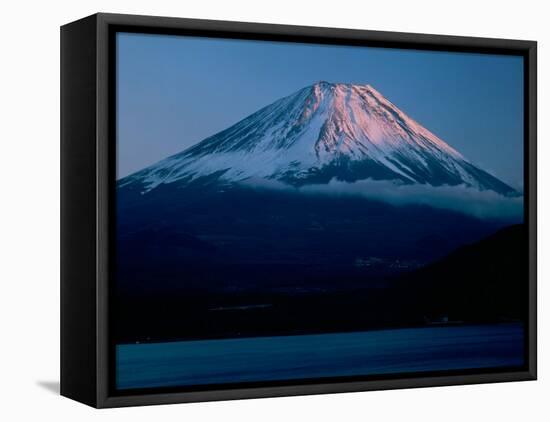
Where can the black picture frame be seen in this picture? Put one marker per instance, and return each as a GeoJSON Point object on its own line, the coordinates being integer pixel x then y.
{"type": "Point", "coordinates": [87, 189]}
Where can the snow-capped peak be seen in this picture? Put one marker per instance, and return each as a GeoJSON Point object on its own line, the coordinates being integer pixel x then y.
{"type": "Point", "coordinates": [323, 131]}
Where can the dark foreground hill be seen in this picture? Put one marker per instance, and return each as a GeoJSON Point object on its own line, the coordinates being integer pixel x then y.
{"type": "Point", "coordinates": [486, 280]}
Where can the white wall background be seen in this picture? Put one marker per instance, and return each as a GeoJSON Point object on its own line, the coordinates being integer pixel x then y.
{"type": "Point", "coordinates": [29, 210]}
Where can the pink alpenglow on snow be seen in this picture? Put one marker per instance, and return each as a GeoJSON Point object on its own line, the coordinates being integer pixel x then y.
{"type": "Point", "coordinates": [324, 132]}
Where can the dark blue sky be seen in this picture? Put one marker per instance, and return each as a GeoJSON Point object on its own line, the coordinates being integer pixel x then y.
{"type": "Point", "coordinates": [174, 91]}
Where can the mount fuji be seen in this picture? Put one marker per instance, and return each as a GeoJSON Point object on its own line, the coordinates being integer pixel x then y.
{"type": "Point", "coordinates": [208, 244]}
{"type": "Point", "coordinates": [322, 132]}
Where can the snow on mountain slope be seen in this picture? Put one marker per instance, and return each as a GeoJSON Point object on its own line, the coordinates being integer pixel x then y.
{"type": "Point", "coordinates": [322, 132]}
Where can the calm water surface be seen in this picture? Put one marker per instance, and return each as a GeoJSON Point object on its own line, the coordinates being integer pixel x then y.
{"type": "Point", "coordinates": [311, 356]}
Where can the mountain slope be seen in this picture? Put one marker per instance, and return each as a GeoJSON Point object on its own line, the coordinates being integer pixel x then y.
{"type": "Point", "coordinates": [322, 132]}
{"type": "Point", "coordinates": [476, 281]}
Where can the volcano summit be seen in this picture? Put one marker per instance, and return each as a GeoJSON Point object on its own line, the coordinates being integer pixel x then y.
{"type": "Point", "coordinates": [322, 132]}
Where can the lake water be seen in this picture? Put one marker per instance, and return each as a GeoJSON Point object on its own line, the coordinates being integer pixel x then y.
{"type": "Point", "coordinates": [203, 362]}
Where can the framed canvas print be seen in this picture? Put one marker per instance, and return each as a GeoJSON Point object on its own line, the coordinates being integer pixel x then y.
{"type": "Point", "coordinates": [254, 210]}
